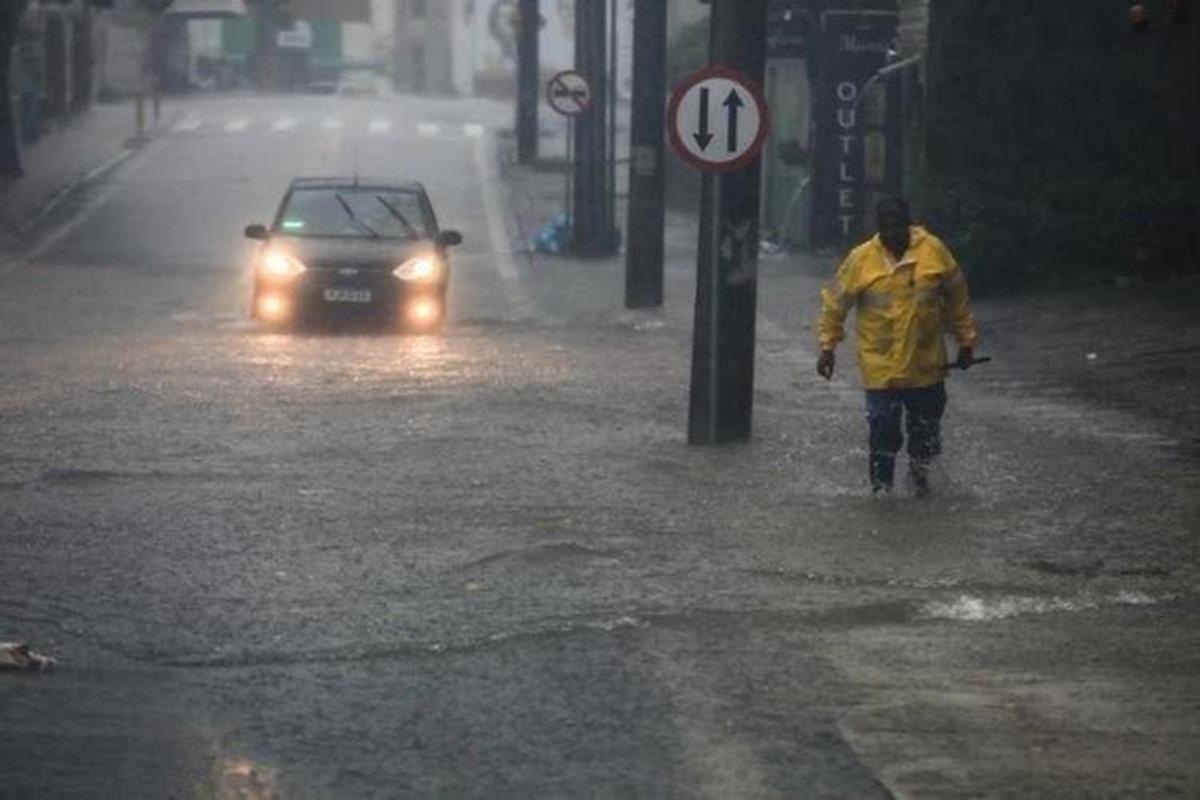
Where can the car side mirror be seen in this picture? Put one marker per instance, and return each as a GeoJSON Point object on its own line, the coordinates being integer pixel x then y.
{"type": "Point", "coordinates": [450, 238]}
{"type": "Point", "coordinates": [257, 232]}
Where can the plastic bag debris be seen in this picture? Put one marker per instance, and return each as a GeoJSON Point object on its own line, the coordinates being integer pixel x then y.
{"type": "Point", "coordinates": [554, 237]}
{"type": "Point", "coordinates": [18, 656]}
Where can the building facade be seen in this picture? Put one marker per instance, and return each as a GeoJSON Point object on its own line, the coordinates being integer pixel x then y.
{"type": "Point", "coordinates": [53, 72]}
{"type": "Point", "coordinates": [309, 46]}
{"type": "Point", "coordinates": [427, 53]}
{"type": "Point", "coordinates": [469, 47]}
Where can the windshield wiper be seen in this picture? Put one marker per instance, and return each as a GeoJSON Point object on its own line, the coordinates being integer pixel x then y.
{"type": "Point", "coordinates": [412, 232]}
{"type": "Point", "coordinates": [350, 213]}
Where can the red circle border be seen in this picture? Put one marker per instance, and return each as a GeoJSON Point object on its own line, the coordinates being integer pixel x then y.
{"type": "Point", "coordinates": [718, 71]}
{"type": "Point", "coordinates": [550, 99]}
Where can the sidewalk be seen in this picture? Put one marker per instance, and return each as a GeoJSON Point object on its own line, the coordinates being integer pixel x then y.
{"type": "Point", "coordinates": [76, 151]}
{"type": "Point", "coordinates": [1130, 349]}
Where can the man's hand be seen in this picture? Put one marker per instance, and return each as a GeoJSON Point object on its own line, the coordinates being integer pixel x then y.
{"type": "Point", "coordinates": [966, 357]}
{"type": "Point", "coordinates": [825, 364]}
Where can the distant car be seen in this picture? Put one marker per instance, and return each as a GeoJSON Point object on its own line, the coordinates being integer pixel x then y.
{"type": "Point", "coordinates": [357, 84]}
{"type": "Point", "coordinates": [349, 250]}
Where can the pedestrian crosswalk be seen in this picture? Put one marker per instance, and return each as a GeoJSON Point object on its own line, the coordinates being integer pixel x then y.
{"type": "Point", "coordinates": [195, 125]}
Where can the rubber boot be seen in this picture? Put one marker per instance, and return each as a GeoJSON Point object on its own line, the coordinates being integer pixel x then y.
{"type": "Point", "coordinates": [883, 472]}
{"type": "Point", "coordinates": [919, 473]}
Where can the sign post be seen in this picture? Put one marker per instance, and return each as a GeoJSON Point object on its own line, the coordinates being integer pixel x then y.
{"type": "Point", "coordinates": [591, 231]}
{"type": "Point", "coordinates": [569, 94]}
{"type": "Point", "coordinates": [528, 60]}
{"type": "Point", "coordinates": [645, 213]}
{"type": "Point", "coordinates": [717, 121]}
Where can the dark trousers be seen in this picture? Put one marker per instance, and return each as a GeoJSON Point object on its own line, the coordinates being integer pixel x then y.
{"type": "Point", "coordinates": [921, 412]}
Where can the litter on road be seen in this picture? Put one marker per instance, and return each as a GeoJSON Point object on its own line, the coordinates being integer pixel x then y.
{"type": "Point", "coordinates": [18, 656]}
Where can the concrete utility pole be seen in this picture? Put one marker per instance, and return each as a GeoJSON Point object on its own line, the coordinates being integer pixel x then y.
{"type": "Point", "coordinates": [722, 392]}
{"type": "Point", "coordinates": [591, 217]}
{"type": "Point", "coordinates": [644, 252]}
{"type": "Point", "coordinates": [528, 81]}
{"type": "Point", "coordinates": [10, 136]}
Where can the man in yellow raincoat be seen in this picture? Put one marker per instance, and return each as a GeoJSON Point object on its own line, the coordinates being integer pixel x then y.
{"type": "Point", "coordinates": [907, 292]}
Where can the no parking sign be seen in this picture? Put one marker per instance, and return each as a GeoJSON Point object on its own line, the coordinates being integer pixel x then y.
{"type": "Point", "coordinates": [569, 93]}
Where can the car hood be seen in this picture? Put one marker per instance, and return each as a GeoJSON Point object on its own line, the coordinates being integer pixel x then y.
{"type": "Point", "coordinates": [317, 253]}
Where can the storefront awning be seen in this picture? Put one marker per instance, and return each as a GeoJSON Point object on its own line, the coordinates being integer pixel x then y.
{"type": "Point", "coordinates": [207, 9]}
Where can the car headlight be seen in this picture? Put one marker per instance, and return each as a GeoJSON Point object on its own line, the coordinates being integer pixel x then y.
{"type": "Point", "coordinates": [280, 265]}
{"type": "Point", "coordinates": [420, 269]}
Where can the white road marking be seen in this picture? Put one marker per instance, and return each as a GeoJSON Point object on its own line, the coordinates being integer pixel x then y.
{"type": "Point", "coordinates": [474, 131]}
{"type": "Point", "coordinates": [428, 128]}
{"type": "Point", "coordinates": [333, 124]}
{"type": "Point", "coordinates": [485, 165]}
{"type": "Point", "coordinates": [189, 125]}
{"type": "Point", "coordinates": [283, 124]}
{"type": "Point", "coordinates": [379, 126]}
{"type": "Point", "coordinates": [237, 125]}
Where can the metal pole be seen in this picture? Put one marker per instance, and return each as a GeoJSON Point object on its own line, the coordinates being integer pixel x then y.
{"type": "Point", "coordinates": [528, 81]}
{"type": "Point", "coordinates": [610, 224]}
{"type": "Point", "coordinates": [570, 170]}
{"type": "Point", "coordinates": [647, 124]}
{"type": "Point", "coordinates": [590, 202]}
{"type": "Point", "coordinates": [722, 390]}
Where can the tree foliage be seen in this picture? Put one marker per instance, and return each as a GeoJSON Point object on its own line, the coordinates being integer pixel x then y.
{"type": "Point", "coordinates": [1059, 146]}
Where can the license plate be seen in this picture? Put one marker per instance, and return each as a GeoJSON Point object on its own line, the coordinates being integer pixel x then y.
{"type": "Point", "coordinates": [347, 295]}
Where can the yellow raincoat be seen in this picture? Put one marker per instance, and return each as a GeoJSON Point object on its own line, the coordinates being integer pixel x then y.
{"type": "Point", "coordinates": [902, 311]}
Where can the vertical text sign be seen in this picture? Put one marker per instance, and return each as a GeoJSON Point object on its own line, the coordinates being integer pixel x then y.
{"type": "Point", "coordinates": [852, 46]}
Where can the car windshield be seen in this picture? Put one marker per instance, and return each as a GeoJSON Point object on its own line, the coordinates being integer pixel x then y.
{"type": "Point", "coordinates": [355, 212]}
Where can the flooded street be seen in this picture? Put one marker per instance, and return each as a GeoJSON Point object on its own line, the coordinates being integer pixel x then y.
{"type": "Point", "coordinates": [486, 563]}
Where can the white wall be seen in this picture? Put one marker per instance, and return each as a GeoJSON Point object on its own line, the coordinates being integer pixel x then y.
{"type": "Point", "coordinates": [124, 50]}
{"type": "Point", "coordinates": [557, 44]}
{"type": "Point", "coordinates": [358, 42]}
{"type": "Point", "coordinates": [462, 49]}
{"type": "Point", "coordinates": [383, 30]}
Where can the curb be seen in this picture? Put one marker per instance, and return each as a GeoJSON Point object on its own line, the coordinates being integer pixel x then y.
{"type": "Point", "coordinates": [69, 190]}
{"type": "Point", "coordinates": [11, 258]}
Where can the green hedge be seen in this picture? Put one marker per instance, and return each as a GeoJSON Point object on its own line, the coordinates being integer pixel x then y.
{"type": "Point", "coordinates": [1059, 147]}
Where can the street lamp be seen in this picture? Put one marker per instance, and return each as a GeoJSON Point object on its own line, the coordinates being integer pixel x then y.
{"type": "Point", "coordinates": [885, 72]}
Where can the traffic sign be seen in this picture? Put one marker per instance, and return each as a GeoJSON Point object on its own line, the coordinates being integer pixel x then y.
{"type": "Point", "coordinates": [569, 93]}
{"type": "Point", "coordinates": [717, 120]}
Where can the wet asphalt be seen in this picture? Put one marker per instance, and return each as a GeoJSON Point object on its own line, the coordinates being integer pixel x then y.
{"type": "Point", "coordinates": [486, 564]}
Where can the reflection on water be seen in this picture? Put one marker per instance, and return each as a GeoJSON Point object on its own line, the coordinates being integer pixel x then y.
{"type": "Point", "coordinates": [269, 349]}
{"type": "Point", "coordinates": [353, 367]}
{"type": "Point", "coordinates": [243, 779]}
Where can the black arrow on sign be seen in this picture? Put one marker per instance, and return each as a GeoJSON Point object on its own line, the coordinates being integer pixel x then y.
{"type": "Point", "coordinates": [703, 138]}
{"type": "Point", "coordinates": [733, 102]}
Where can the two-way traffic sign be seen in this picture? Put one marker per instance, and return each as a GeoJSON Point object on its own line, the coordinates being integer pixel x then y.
{"type": "Point", "coordinates": [717, 120]}
{"type": "Point", "coordinates": [569, 93]}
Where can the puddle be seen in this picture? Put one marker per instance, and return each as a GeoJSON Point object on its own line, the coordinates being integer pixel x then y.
{"type": "Point", "coordinates": [972, 608]}
{"type": "Point", "coordinates": [243, 779]}
{"type": "Point", "coordinates": [73, 475]}
{"type": "Point", "coordinates": [1094, 568]}
{"type": "Point", "coordinates": [552, 551]}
